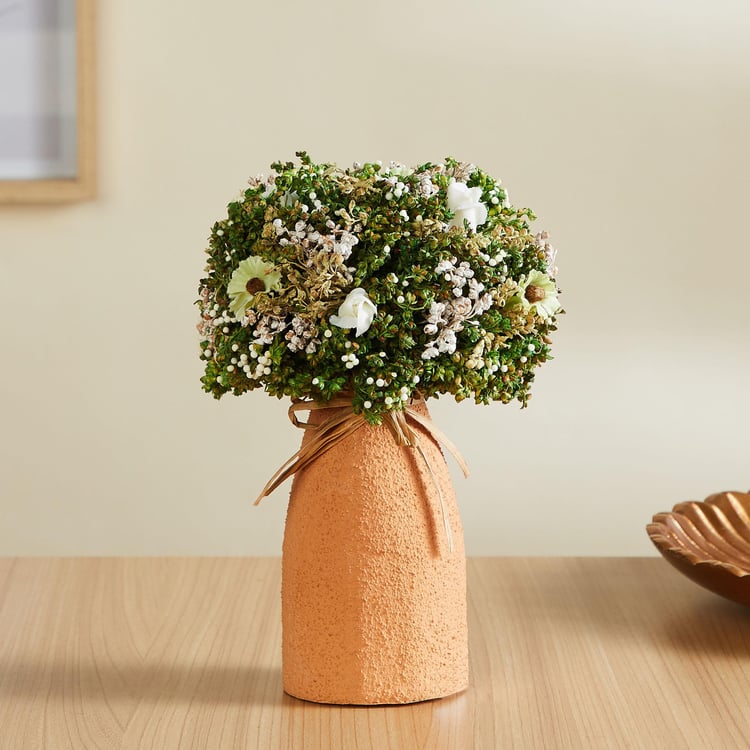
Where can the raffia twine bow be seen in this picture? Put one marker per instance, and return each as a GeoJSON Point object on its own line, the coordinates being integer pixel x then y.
{"type": "Point", "coordinates": [344, 422]}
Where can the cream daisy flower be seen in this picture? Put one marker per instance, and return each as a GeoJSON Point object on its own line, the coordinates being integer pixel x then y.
{"type": "Point", "coordinates": [253, 275]}
{"type": "Point", "coordinates": [540, 291]}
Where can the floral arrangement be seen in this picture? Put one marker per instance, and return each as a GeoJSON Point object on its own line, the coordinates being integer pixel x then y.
{"type": "Point", "coordinates": [380, 283]}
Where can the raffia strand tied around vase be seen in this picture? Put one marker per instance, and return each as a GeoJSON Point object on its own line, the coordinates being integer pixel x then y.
{"type": "Point", "coordinates": [344, 421]}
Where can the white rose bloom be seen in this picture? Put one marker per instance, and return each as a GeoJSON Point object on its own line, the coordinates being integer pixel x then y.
{"type": "Point", "coordinates": [465, 204]}
{"type": "Point", "coordinates": [356, 311]}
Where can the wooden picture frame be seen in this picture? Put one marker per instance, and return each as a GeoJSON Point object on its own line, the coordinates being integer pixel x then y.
{"type": "Point", "coordinates": [68, 81]}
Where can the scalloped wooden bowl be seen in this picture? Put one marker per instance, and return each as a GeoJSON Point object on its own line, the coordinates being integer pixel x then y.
{"type": "Point", "coordinates": [709, 542]}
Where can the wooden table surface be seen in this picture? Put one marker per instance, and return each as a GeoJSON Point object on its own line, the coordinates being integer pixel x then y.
{"type": "Point", "coordinates": [185, 653]}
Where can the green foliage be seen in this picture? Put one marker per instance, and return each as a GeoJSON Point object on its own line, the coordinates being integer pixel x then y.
{"type": "Point", "coordinates": [454, 290]}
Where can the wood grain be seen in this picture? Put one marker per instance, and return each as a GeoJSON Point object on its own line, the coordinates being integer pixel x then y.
{"type": "Point", "coordinates": [185, 653]}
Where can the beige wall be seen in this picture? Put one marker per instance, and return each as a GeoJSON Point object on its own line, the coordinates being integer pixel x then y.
{"type": "Point", "coordinates": [623, 124]}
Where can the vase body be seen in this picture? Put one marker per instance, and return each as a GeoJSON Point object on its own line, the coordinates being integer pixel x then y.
{"type": "Point", "coordinates": [373, 599]}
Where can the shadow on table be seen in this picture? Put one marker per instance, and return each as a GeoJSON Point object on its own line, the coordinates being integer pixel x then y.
{"type": "Point", "coordinates": [710, 625]}
{"type": "Point", "coordinates": [167, 683]}
{"type": "Point", "coordinates": [634, 599]}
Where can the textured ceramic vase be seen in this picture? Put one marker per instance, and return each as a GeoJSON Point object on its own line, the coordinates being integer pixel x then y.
{"type": "Point", "coordinates": [373, 600]}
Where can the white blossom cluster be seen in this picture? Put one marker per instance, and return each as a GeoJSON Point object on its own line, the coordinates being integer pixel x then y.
{"type": "Point", "coordinates": [541, 240]}
{"type": "Point", "coordinates": [300, 333]}
{"type": "Point", "coordinates": [265, 181]}
{"type": "Point", "coordinates": [213, 318]}
{"type": "Point", "coordinates": [268, 182]}
{"type": "Point", "coordinates": [255, 366]}
{"type": "Point", "coordinates": [396, 168]}
{"type": "Point", "coordinates": [398, 188]}
{"type": "Point", "coordinates": [427, 187]}
{"type": "Point", "coordinates": [301, 336]}
{"type": "Point", "coordinates": [460, 276]}
{"type": "Point", "coordinates": [267, 328]}
{"type": "Point", "coordinates": [339, 241]}
{"type": "Point", "coordinates": [205, 329]}
{"type": "Point", "coordinates": [446, 319]}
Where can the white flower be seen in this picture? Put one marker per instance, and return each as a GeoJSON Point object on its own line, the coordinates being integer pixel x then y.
{"type": "Point", "coordinates": [289, 199]}
{"type": "Point", "coordinates": [465, 204]}
{"type": "Point", "coordinates": [356, 311]}
{"type": "Point", "coordinates": [395, 168]}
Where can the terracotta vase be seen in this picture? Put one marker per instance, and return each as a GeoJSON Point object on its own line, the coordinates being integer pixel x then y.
{"type": "Point", "coordinates": [373, 600]}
